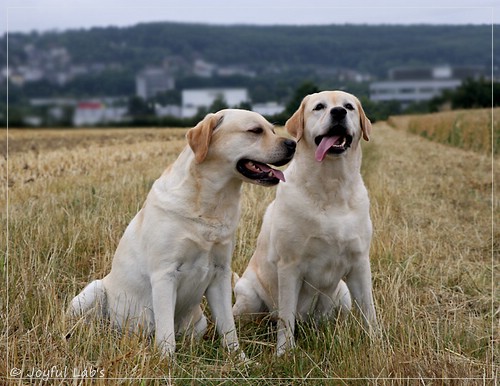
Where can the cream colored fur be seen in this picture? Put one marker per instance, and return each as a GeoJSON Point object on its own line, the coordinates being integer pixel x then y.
{"type": "Point", "coordinates": [178, 247]}
{"type": "Point", "coordinates": [317, 231]}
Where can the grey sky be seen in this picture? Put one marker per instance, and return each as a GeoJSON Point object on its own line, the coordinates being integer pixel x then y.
{"type": "Point", "coordinates": [43, 15]}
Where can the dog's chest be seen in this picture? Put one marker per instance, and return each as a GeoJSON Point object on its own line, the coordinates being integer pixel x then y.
{"type": "Point", "coordinates": [326, 238]}
{"type": "Point", "coordinates": [217, 227]}
{"type": "Point", "coordinates": [198, 269]}
{"type": "Point", "coordinates": [216, 231]}
{"type": "Point", "coordinates": [325, 252]}
{"type": "Point", "coordinates": [328, 252]}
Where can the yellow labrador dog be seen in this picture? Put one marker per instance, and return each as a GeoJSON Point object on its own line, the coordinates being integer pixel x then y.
{"type": "Point", "coordinates": [318, 229]}
{"type": "Point", "coordinates": [178, 247]}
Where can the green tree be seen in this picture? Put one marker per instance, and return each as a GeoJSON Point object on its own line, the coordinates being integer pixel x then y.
{"type": "Point", "coordinates": [470, 94]}
{"type": "Point", "coordinates": [244, 106]}
{"type": "Point", "coordinates": [138, 107]}
{"type": "Point", "coordinates": [378, 111]}
{"type": "Point", "coordinates": [304, 89]}
{"type": "Point", "coordinates": [219, 103]}
{"type": "Point", "coordinates": [475, 94]}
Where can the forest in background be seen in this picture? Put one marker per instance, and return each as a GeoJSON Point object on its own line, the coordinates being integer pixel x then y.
{"type": "Point", "coordinates": [370, 49]}
{"type": "Point", "coordinates": [280, 58]}
{"type": "Point", "coordinates": [272, 51]}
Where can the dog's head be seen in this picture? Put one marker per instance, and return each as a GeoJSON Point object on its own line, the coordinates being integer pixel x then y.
{"type": "Point", "coordinates": [331, 121]}
{"type": "Point", "coordinates": [244, 141]}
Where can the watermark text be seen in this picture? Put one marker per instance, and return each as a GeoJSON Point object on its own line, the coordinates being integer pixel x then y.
{"type": "Point", "coordinates": [57, 372]}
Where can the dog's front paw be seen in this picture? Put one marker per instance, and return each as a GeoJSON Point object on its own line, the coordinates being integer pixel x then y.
{"type": "Point", "coordinates": [241, 356]}
{"type": "Point", "coordinates": [167, 349]}
{"type": "Point", "coordinates": [284, 349]}
{"type": "Point", "coordinates": [285, 345]}
{"type": "Point", "coordinates": [375, 332]}
{"type": "Point", "coordinates": [240, 359]}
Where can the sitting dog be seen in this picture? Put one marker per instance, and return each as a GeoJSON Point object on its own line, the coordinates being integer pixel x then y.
{"type": "Point", "coordinates": [317, 231]}
{"type": "Point", "coordinates": [178, 247]}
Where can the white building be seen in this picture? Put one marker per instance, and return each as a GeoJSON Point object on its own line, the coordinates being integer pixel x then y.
{"type": "Point", "coordinates": [95, 113]}
{"type": "Point", "coordinates": [409, 91]}
{"type": "Point", "coordinates": [203, 69]}
{"type": "Point", "coordinates": [415, 84]}
{"type": "Point", "coordinates": [193, 100]}
{"type": "Point", "coordinates": [152, 81]}
{"type": "Point", "coordinates": [168, 111]}
{"type": "Point", "coordinates": [268, 108]}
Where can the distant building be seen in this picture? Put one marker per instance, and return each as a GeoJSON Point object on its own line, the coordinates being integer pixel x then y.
{"type": "Point", "coordinates": [415, 84]}
{"type": "Point", "coordinates": [193, 100]}
{"type": "Point", "coordinates": [71, 102]}
{"type": "Point", "coordinates": [235, 71]}
{"type": "Point", "coordinates": [268, 108]}
{"type": "Point", "coordinates": [32, 120]}
{"type": "Point", "coordinates": [152, 81]}
{"type": "Point", "coordinates": [93, 113]}
{"type": "Point", "coordinates": [168, 111]}
{"type": "Point", "coordinates": [203, 69]}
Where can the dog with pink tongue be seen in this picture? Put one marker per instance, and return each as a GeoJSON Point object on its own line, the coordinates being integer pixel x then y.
{"type": "Point", "coordinates": [312, 254]}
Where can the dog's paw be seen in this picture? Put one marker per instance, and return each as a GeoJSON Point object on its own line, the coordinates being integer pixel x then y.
{"type": "Point", "coordinates": [375, 332]}
{"type": "Point", "coordinates": [242, 360]}
{"type": "Point", "coordinates": [167, 350]}
{"type": "Point", "coordinates": [285, 348]}
{"type": "Point", "coordinates": [241, 357]}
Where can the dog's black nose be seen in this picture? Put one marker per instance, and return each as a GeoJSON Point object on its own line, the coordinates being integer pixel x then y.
{"type": "Point", "coordinates": [338, 113]}
{"type": "Point", "coordinates": [290, 145]}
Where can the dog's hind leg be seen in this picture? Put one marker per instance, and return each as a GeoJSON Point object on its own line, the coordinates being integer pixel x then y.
{"type": "Point", "coordinates": [195, 324]}
{"type": "Point", "coordinates": [93, 297]}
{"type": "Point", "coordinates": [342, 299]}
{"type": "Point", "coordinates": [334, 304]}
{"type": "Point", "coordinates": [248, 304]}
{"type": "Point", "coordinates": [200, 327]}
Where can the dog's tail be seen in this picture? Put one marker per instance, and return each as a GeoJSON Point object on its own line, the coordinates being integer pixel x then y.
{"type": "Point", "coordinates": [93, 297]}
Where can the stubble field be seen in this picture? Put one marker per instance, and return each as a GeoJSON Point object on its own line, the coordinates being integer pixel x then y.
{"type": "Point", "coordinates": [434, 260]}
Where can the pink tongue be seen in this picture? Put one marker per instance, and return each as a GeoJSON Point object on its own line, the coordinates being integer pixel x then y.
{"type": "Point", "coordinates": [325, 144]}
{"type": "Point", "coordinates": [277, 173]}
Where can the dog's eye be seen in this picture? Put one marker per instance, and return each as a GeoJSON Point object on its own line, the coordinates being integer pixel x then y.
{"type": "Point", "coordinates": [348, 106]}
{"type": "Point", "coordinates": [319, 106]}
{"type": "Point", "coordinates": [257, 130]}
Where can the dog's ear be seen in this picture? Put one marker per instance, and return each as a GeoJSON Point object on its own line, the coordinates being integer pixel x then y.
{"type": "Point", "coordinates": [295, 124]}
{"type": "Point", "coordinates": [366, 125]}
{"type": "Point", "coordinates": [199, 136]}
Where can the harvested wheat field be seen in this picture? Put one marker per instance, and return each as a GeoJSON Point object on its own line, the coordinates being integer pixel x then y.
{"type": "Point", "coordinates": [71, 194]}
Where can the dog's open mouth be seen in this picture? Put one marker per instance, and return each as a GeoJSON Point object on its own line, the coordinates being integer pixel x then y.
{"type": "Point", "coordinates": [336, 141]}
{"type": "Point", "coordinates": [260, 172]}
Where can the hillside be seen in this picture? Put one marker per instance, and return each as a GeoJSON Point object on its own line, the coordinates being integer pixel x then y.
{"type": "Point", "coordinates": [105, 61]}
{"type": "Point", "coordinates": [372, 49]}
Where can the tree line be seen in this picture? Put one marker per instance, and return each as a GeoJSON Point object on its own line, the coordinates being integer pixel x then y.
{"type": "Point", "coordinates": [365, 48]}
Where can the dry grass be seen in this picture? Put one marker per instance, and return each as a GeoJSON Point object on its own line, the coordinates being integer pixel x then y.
{"type": "Point", "coordinates": [467, 129]}
{"type": "Point", "coordinates": [71, 197]}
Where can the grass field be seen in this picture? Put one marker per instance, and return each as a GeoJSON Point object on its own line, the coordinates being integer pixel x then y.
{"type": "Point", "coordinates": [71, 194]}
{"type": "Point", "coordinates": [467, 129]}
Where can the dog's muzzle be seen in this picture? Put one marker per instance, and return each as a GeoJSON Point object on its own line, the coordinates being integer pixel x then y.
{"type": "Point", "coordinates": [263, 174]}
{"type": "Point", "coordinates": [337, 140]}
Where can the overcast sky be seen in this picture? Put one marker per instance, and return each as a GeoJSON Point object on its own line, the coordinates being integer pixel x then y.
{"type": "Point", "coordinates": [44, 15]}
